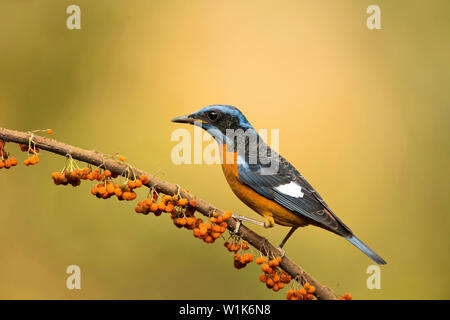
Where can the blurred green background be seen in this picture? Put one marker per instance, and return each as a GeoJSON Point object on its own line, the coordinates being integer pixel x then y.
{"type": "Point", "coordinates": [362, 114]}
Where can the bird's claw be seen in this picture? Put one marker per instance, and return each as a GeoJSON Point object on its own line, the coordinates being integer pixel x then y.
{"type": "Point", "coordinates": [269, 222]}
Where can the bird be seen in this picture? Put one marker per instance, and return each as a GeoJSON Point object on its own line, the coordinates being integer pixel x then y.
{"type": "Point", "coordinates": [264, 180]}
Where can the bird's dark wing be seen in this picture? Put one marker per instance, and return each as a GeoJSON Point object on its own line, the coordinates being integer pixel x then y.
{"type": "Point", "coordinates": [288, 188]}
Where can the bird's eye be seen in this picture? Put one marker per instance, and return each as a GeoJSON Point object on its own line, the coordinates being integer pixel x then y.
{"type": "Point", "coordinates": [213, 115]}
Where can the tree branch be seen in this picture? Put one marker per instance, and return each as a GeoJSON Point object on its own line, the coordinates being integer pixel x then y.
{"type": "Point", "coordinates": [97, 159]}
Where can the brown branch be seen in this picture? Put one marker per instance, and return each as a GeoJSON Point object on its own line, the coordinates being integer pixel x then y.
{"type": "Point", "coordinates": [97, 159]}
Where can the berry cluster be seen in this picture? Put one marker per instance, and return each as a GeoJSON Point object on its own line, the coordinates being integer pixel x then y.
{"type": "Point", "coordinates": [213, 229]}
{"type": "Point", "coordinates": [240, 260]}
{"type": "Point", "coordinates": [305, 293]}
{"type": "Point", "coordinates": [25, 148]}
{"type": "Point", "coordinates": [6, 162]}
{"type": "Point", "coordinates": [34, 159]}
{"type": "Point", "coordinates": [181, 210]}
{"type": "Point", "coordinates": [33, 154]}
{"type": "Point", "coordinates": [166, 204]}
{"type": "Point", "coordinates": [346, 296]}
{"type": "Point", "coordinates": [272, 276]}
{"type": "Point", "coordinates": [71, 174]}
{"type": "Point", "coordinates": [73, 177]}
{"type": "Point", "coordinates": [108, 189]}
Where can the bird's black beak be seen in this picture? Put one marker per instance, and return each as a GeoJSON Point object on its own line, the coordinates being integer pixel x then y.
{"type": "Point", "coordinates": [184, 119]}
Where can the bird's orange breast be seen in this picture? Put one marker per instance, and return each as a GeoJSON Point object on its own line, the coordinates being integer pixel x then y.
{"type": "Point", "coordinates": [254, 200]}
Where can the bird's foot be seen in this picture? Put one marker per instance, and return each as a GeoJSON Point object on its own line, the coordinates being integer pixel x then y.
{"type": "Point", "coordinates": [269, 222]}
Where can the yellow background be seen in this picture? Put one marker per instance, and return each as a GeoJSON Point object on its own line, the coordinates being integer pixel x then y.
{"type": "Point", "coordinates": [362, 114]}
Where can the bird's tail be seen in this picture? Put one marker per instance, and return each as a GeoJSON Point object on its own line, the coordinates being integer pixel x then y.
{"type": "Point", "coordinates": [369, 252]}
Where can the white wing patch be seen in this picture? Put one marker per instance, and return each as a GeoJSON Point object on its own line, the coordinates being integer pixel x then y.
{"type": "Point", "coordinates": [291, 189]}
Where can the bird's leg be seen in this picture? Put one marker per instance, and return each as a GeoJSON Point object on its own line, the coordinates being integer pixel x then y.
{"type": "Point", "coordinates": [242, 218]}
{"type": "Point", "coordinates": [280, 246]}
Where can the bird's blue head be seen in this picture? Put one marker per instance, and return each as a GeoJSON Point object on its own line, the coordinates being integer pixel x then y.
{"type": "Point", "coordinates": [217, 117]}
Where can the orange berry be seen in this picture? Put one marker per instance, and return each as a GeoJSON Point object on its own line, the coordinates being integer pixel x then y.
{"type": "Point", "coordinates": [215, 235]}
{"type": "Point", "coordinates": [94, 191]}
{"type": "Point", "coordinates": [110, 188]}
{"type": "Point", "coordinates": [213, 220]}
{"type": "Point", "coordinates": [138, 183]}
{"type": "Point", "coordinates": [23, 147]}
{"type": "Point", "coordinates": [227, 215]}
{"type": "Point", "coordinates": [49, 131]}
{"type": "Point", "coordinates": [192, 203]}
{"type": "Point", "coordinates": [107, 173]}
{"type": "Point", "coordinates": [203, 231]}
{"type": "Point", "coordinates": [102, 190]}
{"type": "Point", "coordinates": [196, 232]}
{"type": "Point", "coordinates": [263, 278]}
{"type": "Point", "coordinates": [118, 192]}
{"type": "Point", "coordinates": [131, 184]}
{"type": "Point", "coordinates": [276, 277]}
{"type": "Point", "coordinates": [346, 296]}
{"type": "Point", "coordinates": [144, 179]}
{"type": "Point", "coordinates": [13, 162]}
{"type": "Point", "coordinates": [266, 268]}
{"type": "Point", "coordinates": [273, 263]}
{"type": "Point", "coordinates": [121, 158]}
